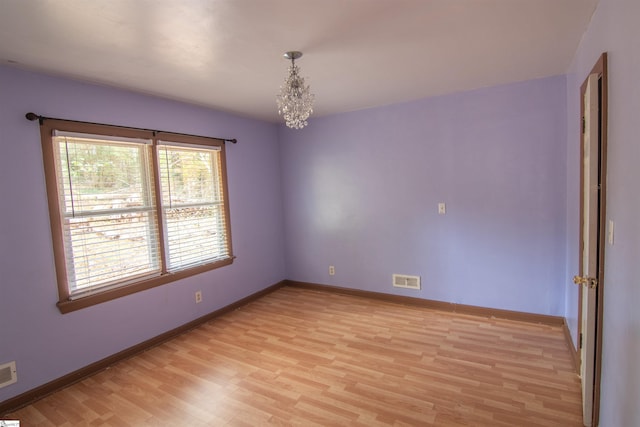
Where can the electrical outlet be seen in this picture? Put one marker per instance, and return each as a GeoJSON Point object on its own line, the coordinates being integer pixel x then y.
{"type": "Point", "coordinates": [442, 208]}
{"type": "Point", "coordinates": [198, 297]}
{"type": "Point", "coordinates": [332, 270]}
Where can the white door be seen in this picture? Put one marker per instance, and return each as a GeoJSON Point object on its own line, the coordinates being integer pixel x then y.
{"type": "Point", "coordinates": [590, 221]}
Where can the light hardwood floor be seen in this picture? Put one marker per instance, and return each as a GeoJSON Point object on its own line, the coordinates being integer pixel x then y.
{"type": "Point", "coordinates": [305, 357]}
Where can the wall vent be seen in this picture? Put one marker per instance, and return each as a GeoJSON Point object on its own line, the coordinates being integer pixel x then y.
{"type": "Point", "coordinates": [404, 281]}
{"type": "Point", "coordinates": [8, 374]}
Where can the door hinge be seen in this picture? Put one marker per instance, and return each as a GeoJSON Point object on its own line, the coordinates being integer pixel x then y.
{"type": "Point", "coordinates": [580, 345]}
{"type": "Point", "coordinates": [584, 125]}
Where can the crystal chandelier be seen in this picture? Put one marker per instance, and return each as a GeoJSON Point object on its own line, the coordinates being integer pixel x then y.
{"type": "Point", "coordinates": [295, 102]}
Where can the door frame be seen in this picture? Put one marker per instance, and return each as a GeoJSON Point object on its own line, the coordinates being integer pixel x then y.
{"type": "Point", "coordinates": [600, 68]}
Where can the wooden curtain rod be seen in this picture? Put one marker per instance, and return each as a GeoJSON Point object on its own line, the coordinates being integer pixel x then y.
{"type": "Point", "coordinates": [33, 117]}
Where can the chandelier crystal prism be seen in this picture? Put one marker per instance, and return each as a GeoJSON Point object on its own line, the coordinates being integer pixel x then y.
{"type": "Point", "coordinates": [295, 101]}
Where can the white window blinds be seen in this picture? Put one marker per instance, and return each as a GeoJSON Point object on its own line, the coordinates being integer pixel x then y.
{"type": "Point", "coordinates": [106, 198]}
{"type": "Point", "coordinates": [192, 205]}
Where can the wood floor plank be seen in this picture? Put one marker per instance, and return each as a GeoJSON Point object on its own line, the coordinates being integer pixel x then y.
{"type": "Point", "coordinates": [307, 357]}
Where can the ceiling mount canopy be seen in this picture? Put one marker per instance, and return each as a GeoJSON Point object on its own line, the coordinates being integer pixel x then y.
{"type": "Point", "coordinates": [293, 55]}
{"type": "Point", "coordinates": [295, 100]}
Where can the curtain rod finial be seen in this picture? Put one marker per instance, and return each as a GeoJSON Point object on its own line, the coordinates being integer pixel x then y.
{"type": "Point", "coordinates": [33, 117]}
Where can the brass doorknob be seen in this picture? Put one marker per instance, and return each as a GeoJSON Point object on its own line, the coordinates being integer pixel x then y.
{"type": "Point", "coordinates": [592, 282]}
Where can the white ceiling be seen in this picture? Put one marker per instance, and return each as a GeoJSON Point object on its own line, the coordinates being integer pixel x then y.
{"type": "Point", "coordinates": [227, 54]}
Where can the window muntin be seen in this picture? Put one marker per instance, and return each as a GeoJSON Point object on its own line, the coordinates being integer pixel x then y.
{"type": "Point", "coordinates": [130, 210]}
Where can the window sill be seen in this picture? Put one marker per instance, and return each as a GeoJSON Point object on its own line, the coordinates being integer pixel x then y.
{"type": "Point", "coordinates": [68, 306]}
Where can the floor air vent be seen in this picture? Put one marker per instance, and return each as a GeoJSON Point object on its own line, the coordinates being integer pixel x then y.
{"type": "Point", "coordinates": [404, 281]}
{"type": "Point", "coordinates": [8, 374]}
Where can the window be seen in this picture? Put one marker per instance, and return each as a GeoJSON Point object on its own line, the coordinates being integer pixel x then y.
{"type": "Point", "coordinates": [132, 209]}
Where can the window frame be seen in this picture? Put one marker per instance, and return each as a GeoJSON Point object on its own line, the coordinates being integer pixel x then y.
{"type": "Point", "coordinates": [65, 303]}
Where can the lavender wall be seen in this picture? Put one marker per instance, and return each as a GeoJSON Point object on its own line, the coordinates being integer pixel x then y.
{"type": "Point", "coordinates": [614, 29]}
{"type": "Point", "coordinates": [46, 344]}
{"type": "Point", "coordinates": [361, 193]}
